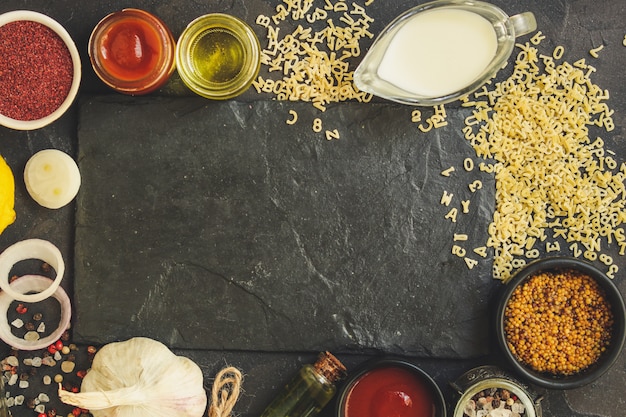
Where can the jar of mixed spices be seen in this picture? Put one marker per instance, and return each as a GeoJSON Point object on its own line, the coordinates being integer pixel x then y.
{"type": "Point", "coordinates": [488, 391]}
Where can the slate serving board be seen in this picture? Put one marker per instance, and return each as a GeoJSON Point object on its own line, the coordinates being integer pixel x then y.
{"type": "Point", "coordinates": [215, 225]}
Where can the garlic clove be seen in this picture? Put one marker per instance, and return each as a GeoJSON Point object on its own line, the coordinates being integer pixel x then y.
{"type": "Point", "coordinates": [52, 178]}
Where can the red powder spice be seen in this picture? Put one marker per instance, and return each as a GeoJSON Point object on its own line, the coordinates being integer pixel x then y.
{"type": "Point", "coordinates": [36, 70]}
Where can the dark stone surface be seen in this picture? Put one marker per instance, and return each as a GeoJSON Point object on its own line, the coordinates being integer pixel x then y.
{"type": "Point", "coordinates": [226, 228]}
{"type": "Point", "coordinates": [578, 25]}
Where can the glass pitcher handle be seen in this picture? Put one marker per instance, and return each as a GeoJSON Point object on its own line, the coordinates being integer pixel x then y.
{"type": "Point", "coordinates": [523, 23]}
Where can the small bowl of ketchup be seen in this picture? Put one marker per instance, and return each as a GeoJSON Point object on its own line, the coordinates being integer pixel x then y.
{"type": "Point", "coordinates": [390, 387]}
{"type": "Point", "coordinates": [132, 51]}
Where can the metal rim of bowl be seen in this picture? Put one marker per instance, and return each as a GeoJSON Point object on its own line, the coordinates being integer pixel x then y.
{"type": "Point", "coordinates": [55, 26]}
{"type": "Point", "coordinates": [617, 338]}
{"type": "Point", "coordinates": [377, 363]}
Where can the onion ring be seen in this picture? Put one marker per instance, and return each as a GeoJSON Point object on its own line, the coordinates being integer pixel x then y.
{"type": "Point", "coordinates": [31, 249]}
{"type": "Point", "coordinates": [28, 283]}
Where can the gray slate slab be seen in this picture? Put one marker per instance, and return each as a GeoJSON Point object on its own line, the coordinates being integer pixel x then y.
{"type": "Point", "coordinates": [218, 226]}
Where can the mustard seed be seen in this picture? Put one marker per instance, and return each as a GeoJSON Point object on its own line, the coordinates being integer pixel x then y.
{"type": "Point", "coordinates": [558, 322]}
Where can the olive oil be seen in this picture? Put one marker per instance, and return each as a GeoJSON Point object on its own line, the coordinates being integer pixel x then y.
{"type": "Point", "coordinates": [218, 56]}
{"type": "Point", "coordinates": [309, 390]}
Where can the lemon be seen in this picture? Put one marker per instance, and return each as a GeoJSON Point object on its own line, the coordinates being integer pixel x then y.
{"type": "Point", "coordinates": [7, 195]}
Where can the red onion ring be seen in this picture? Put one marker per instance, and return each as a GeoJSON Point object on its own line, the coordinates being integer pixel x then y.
{"type": "Point", "coordinates": [29, 283]}
{"type": "Point", "coordinates": [31, 249]}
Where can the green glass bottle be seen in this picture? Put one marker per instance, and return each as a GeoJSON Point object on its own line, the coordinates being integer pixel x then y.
{"type": "Point", "coordinates": [309, 390]}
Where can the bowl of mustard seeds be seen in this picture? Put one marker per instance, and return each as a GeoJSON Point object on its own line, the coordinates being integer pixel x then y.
{"type": "Point", "coordinates": [560, 323]}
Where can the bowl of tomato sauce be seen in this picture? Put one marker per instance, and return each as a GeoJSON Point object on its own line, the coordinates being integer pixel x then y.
{"type": "Point", "coordinates": [132, 51]}
{"type": "Point", "coordinates": [390, 387]}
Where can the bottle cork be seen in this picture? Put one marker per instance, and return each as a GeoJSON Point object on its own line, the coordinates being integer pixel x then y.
{"type": "Point", "coordinates": [330, 367]}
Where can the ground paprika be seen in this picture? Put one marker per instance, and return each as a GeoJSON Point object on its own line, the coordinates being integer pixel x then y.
{"type": "Point", "coordinates": [36, 70]}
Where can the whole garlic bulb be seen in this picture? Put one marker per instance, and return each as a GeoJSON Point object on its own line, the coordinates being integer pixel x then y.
{"type": "Point", "coordinates": [140, 377]}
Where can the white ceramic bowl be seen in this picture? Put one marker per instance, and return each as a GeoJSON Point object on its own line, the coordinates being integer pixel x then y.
{"type": "Point", "coordinates": [19, 15]}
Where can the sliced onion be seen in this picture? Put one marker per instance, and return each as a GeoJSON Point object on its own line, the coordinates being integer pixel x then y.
{"type": "Point", "coordinates": [31, 249]}
{"type": "Point", "coordinates": [29, 283]}
{"type": "Point", "coordinates": [52, 178]}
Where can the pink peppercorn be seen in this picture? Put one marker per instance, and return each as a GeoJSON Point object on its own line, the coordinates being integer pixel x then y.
{"type": "Point", "coordinates": [36, 70]}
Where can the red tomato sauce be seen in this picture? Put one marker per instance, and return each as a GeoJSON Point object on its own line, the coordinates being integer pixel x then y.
{"type": "Point", "coordinates": [390, 392]}
{"type": "Point", "coordinates": [130, 49]}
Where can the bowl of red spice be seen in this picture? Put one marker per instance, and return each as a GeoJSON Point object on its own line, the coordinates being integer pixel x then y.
{"type": "Point", "coordinates": [40, 70]}
{"type": "Point", "coordinates": [561, 323]}
{"type": "Point", "coordinates": [390, 386]}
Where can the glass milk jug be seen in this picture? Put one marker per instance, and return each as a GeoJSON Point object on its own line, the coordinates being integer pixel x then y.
{"type": "Point", "coordinates": [440, 51]}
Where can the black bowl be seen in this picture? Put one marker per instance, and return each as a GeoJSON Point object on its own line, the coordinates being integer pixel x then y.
{"type": "Point", "coordinates": [608, 357]}
{"type": "Point", "coordinates": [368, 370]}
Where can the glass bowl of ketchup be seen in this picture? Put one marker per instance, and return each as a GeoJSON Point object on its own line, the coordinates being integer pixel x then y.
{"type": "Point", "coordinates": [132, 51]}
{"type": "Point", "coordinates": [390, 387]}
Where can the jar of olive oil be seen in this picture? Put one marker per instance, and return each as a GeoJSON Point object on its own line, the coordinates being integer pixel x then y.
{"type": "Point", "coordinates": [218, 56]}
